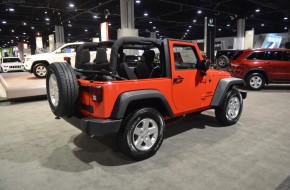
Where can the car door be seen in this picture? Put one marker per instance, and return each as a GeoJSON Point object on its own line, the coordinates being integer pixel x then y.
{"type": "Point", "coordinates": [68, 52]}
{"type": "Point", "coordinates": [287, 64]}
{"type": "Point", "coordinates": [188, 85]}
{"type": "Point", "coordinates": [277, 64]}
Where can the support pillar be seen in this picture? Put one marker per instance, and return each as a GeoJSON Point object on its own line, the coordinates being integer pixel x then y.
{"type": "Point", "coordinates": [240, 41]}
{"type": "Point", "coordinates": [51, 42]}
{"type": "Point", "coordinates": [209, 37]}
{"type": "Point", "coordinates": [152, 34]}
{"type": "Point", "coordinates": [20, 51]}
{"type": "Point", "coordinates": [59, 36]}
{"type": "Point", "coordinates": [127, 19]}
{"type": "Point", "coordinates": [104, 31]}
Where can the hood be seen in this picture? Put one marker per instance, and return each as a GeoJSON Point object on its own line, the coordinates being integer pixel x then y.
{"type": "Point", "coordinates": [38, 56]}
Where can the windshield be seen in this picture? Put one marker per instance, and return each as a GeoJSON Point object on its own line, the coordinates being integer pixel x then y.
{"type": "Point", "coordinates": [11, 60]}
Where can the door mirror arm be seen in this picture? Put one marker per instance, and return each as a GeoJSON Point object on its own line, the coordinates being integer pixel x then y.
{"type": "Point", "coordinates": [203, 66]}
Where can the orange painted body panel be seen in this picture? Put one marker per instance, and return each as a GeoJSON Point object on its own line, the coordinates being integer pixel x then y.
{"type": "Point", "coordinates": [194, 93]}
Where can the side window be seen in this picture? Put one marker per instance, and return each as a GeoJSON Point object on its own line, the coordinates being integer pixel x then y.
{"type": "Point", "coordinates": [256, 56]}
{"type": "Point", "coordinates": [274, 55]}
{"type": "Point", "coordinates": [69, 49]}
{"type": "Point", "coordinates": [287, 56]}
{"type": "Point", "coordinates": [185, 57]}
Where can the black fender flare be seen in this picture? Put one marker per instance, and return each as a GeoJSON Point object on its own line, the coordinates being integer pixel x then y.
{"type": "Point", "coordinates": [125, 98]}
{"type": "Point", "coordinates": [222, 88]}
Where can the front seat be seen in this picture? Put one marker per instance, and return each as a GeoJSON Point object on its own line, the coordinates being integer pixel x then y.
{"type": "Point", "coordinates": [146, 69]}
{"type": "Point", "coordinates": [126, 72]}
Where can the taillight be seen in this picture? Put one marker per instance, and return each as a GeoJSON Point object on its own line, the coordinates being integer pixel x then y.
{"type": "Point", "coordinates": [98, 94]}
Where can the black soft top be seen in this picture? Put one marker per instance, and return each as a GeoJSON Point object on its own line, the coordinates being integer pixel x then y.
{"type": "Point", "coordinates": [130, 42]}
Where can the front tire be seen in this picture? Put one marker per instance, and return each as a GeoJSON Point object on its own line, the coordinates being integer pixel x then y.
{"type": "Point", "coordinates": [62, 89]}
{"type": "Point", "coordinates": [229, 112]}
{"type": "Point", "coordinates": [142, 133]}
{"type": "Point", "coordinates": [40, 70]}
{"type": "Point", "coordinates": [255, 81]}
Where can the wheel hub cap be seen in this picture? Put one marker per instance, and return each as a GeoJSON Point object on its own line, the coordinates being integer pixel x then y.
{"type": "Point", "coordinates": [53, 90]}
{"type": "Point", "coordinates": [41, 70]}
{"type": "Point", "coordinates": [255, 82]}
{"type": "Point", "coordinates": [145, 134]}
{"type": "Point", "coordinates": [233, 108]}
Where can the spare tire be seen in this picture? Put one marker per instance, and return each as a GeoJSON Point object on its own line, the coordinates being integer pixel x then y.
{"type": "Point", "coordinates": [62, 89]}
{"type": "Point", "coordinates": [223, 61]}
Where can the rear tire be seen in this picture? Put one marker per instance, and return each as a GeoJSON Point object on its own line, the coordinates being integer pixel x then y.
{"type": "Point", "coordinates": [62, 89]}
{"type": "Point", "coordinates": [229, 112]}
{"type": "Point", "coordinates": [40, 70]}
{"type": "Point", "coordinates": [142, 133]}
{"type": "Point", "coordinates": [255, 81]}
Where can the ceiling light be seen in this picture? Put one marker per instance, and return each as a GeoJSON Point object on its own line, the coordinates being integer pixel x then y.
{"type": "Point", "coordinates": [199, 11]}
{"type": "Point", "coordinates": [71, 5]}
{"type": "Point", "coordinates": [145, 14]}
{"type": "Point", "coordinates": [187, 30]}
{"type": "Point", "coordinates": [285, 28]}
{"type": "Point", "coordinates": [257, 10]}
{"type": "Point", "coordinates": [12, 30]}
{"type": "Point", "coordinates": [4, 22]}
{"type": "Point", "coordinates": [69, 34]}
{"type": "Point", "coordinates": [194, 20]}
{"type": "Point", "coordinates": [138, 1]}
{"type": "Point", "coordinates": [38, 33]}
{"type": "Point", "coordinates": [154, 27]}
{"type": "Point", "coordinates": [11, 9]}
{"type": "Point", "coordinates": [190, 26]}
{"type": "Point", "coordinates": [69, 21]}
{"type": "Point", "coordinates": [24, 33]}
{"type": "Point", "coordinates": [219, 29]}
{"type": "Point", "coordinates": [157, 31]}
{"type": "Point", "coordinates": [47, 19]}
{"type": "Point", "coordinates": [69, 25]}
{"type": "Point", "coordinates": [45, 12]}
{"type": "Point", "coordinates": [262, 24]}
{"type": "Point", "coordinates": [95, 16]}
{"type": "Point", "coordinates": [24, 23]}
{"type": "Point", "coordinates": [285, 18]}
{"type": "Point", "coordinates": [86, 30]}
{"type": "Point", "coordinates": [32, 27]}
{"type": "Point", "coordinates": [228, 25]}
{"type": "Point", "coordinates": [109, 24]}
{"type": "Point", "coordinates": [150, 22]}
{"type": "Point", "coordinates": [16, 36]}
{"type": "Point", "coordinates": [58, 13]}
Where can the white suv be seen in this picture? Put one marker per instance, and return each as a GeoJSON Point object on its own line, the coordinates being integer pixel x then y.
{"type": "Point", "coordinates": [39, 63]}
{"type": "Point", "coordinates": [11, 64]}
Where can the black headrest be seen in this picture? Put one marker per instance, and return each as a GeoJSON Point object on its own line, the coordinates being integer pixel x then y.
{"type": "Point", "coordinates": [85, 56]}
{"type": "Point", "coordinates": [149, 56]}
{"type": "Point", "coordinates": [101, 56]}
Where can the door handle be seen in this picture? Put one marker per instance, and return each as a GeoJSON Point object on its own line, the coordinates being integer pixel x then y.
{"type": "Point", "coordinates": [178, 79]}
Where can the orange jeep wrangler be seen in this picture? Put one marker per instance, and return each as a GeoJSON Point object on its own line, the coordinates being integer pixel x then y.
{"type": "Point", "coordinates": [146, 82]}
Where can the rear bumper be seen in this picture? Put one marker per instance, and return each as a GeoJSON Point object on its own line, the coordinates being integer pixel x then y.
{"type": "Point", "coordinates": [95, 127]}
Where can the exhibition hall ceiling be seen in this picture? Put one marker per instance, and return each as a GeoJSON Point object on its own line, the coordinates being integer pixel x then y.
{"type": "Point", "coordinates": [22, 20]}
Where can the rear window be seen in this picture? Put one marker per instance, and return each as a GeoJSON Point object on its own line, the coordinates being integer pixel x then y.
{"type": "Point", "coordinates": [273, 55]}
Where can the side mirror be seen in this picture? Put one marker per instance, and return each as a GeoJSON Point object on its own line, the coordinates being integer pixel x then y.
{"type": "Point", "coordinates": [203, 65]}
{"type": "Point", "coordinates": [57, 51]}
